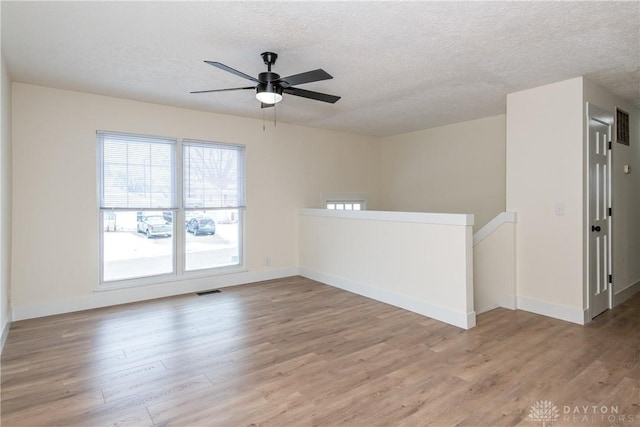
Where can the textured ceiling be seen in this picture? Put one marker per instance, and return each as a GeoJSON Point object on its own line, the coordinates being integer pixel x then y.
{"type": "Point", "coordinates": [399, 66]}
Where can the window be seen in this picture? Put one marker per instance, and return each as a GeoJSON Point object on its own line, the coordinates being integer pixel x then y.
{"type": "Point", "coordinates": [168, 207]}
{"type": "Point", "coordinates": [345, 201]}
{"type": "Point", "coordinates": [347, 205]}
{"type": "Point", "coordinates": [213, 196]}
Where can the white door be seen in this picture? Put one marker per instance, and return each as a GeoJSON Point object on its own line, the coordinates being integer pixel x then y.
{"type": "Point", "coordinates": [599, 220]}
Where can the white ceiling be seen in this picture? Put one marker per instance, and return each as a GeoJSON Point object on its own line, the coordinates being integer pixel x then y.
{"type": "Point", "coordinates": [399, 66]}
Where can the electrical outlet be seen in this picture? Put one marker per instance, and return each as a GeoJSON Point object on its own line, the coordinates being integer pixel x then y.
{"type": "Point", "coordinates": [559, 208]}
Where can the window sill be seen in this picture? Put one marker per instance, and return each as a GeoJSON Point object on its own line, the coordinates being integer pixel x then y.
{"type": "Point", "coordinates": [168, 279]}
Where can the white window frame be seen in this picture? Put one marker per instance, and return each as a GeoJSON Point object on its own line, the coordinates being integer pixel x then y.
{"type": "Point", "coordinates": [216, 271]}
{"type": "Point", "coordinates": [344, 205]}
{"type": "Point", "coordinates": [179, 233]}
{"type": "Point", "coordinates": [344, 198]}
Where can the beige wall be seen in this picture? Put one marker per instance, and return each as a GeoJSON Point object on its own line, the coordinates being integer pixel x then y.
{"type": "Point", "coordinates": [5, 200]}
{"type": "Point", "coordinates": [626, 193]}
{"type": "Point", "coordinates": [544, 169]}
{"type": "Point", "coordinates": [55, 245]}
{"type": "Point", "coordinates": [457, 168]}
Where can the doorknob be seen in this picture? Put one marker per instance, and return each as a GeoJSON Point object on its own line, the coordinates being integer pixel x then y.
{"type": "Point", "coordinates": [595, 228]}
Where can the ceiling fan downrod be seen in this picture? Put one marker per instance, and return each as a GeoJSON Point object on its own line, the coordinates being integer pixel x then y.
{"type": "Point", "coordinates": [269, 59]}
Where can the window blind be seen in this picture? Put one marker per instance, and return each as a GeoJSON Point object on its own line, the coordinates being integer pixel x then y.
{"type": "Point", "coordinates": [213, 175]}
{"type": "Point", "coordinates": [136, 171]}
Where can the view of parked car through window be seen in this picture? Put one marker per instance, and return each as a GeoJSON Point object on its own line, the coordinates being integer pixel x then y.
{"type": "Point", "coordinates": [139, 243]}
{"type": "Point", "coordinates": [201, 226]}
{"type": "Point", "coordinates": [153, 226]}
{"type": "Point", "coordinates": [160, 219]}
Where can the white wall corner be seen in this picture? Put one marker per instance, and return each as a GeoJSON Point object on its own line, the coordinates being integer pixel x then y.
{"type": "Point", "coordinates": [626, 293]}
{"type": "Point", "coordinates": [556, 311]}
{"type": "Point", "coordinates": [509, 302]}
{"type": "Point", "coordinates": [471, 320]}
{"type": "Point", "coordinates": [5, 334]}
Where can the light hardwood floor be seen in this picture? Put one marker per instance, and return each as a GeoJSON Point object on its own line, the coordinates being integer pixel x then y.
{"type": "Point", "coordinates": [294, 352]}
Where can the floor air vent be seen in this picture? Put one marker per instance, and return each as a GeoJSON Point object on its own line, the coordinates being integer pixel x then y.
{"type": "Point", "coordinates": [213, 291]}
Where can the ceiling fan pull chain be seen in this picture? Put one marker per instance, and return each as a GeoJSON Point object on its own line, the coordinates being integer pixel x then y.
{"type": "Point", "coordinates": [263, 127]}
{"type": "Point", "coordinates": [275, 114]}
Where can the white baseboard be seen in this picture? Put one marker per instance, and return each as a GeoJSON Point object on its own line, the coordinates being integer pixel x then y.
{"type": "Point", "coordinates": [456, 318]}
{"type": "Point", "coordinates": [625, 294]}
{"type": "Point", "coordinates": [142, 293]}
{"type": "Point", "coordinates": [509, 302]}
{"type": "Point", "coordinates": [562, 312]}
{"type": "Point", "coordinates": [5, 334]}
{"type": "Point", "coordinates": [505, 302]}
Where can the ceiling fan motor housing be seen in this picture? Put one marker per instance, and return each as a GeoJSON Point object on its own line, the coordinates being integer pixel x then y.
{"type": "Point", "coordinates": [269, 87]}
{"type": "Point", "coordinates": [269, 82]}
{"type": "Point", "coordinates": [268, 77]}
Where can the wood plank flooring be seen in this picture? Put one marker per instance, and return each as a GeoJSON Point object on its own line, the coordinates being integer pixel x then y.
{"type": "Point", "coordinates": [294, 352]}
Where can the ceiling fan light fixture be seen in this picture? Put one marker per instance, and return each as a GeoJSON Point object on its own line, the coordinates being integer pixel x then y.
{"type": "Point", "coordinates": [268, 93]}
{"type": "Point", "coordinates": [269, 97]}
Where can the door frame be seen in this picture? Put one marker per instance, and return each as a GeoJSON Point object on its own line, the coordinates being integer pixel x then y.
{"type": "Point", "coordinates": [606, 117]}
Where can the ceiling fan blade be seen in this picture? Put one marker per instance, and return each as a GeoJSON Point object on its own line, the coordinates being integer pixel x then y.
{"type": "Point", "coordinates": [308, 77]}
{"type": "Point", "coordinates": [311, 95]}
{"type": "Point", "coordinates": [223, 90]}
{"type": "Point", "coordinates": [232, 71]}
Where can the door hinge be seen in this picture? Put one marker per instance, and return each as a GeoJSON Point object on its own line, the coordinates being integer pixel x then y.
{"type": "Point", "coordinates": [609, 145]}
{"type": "Point", "coordinates": [610, 211]}
{"type": "Point", "coordinates": [610, 278]}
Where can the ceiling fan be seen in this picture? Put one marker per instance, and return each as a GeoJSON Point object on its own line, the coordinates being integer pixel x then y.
{"type": "Point", "coordinates": [270, 86]}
